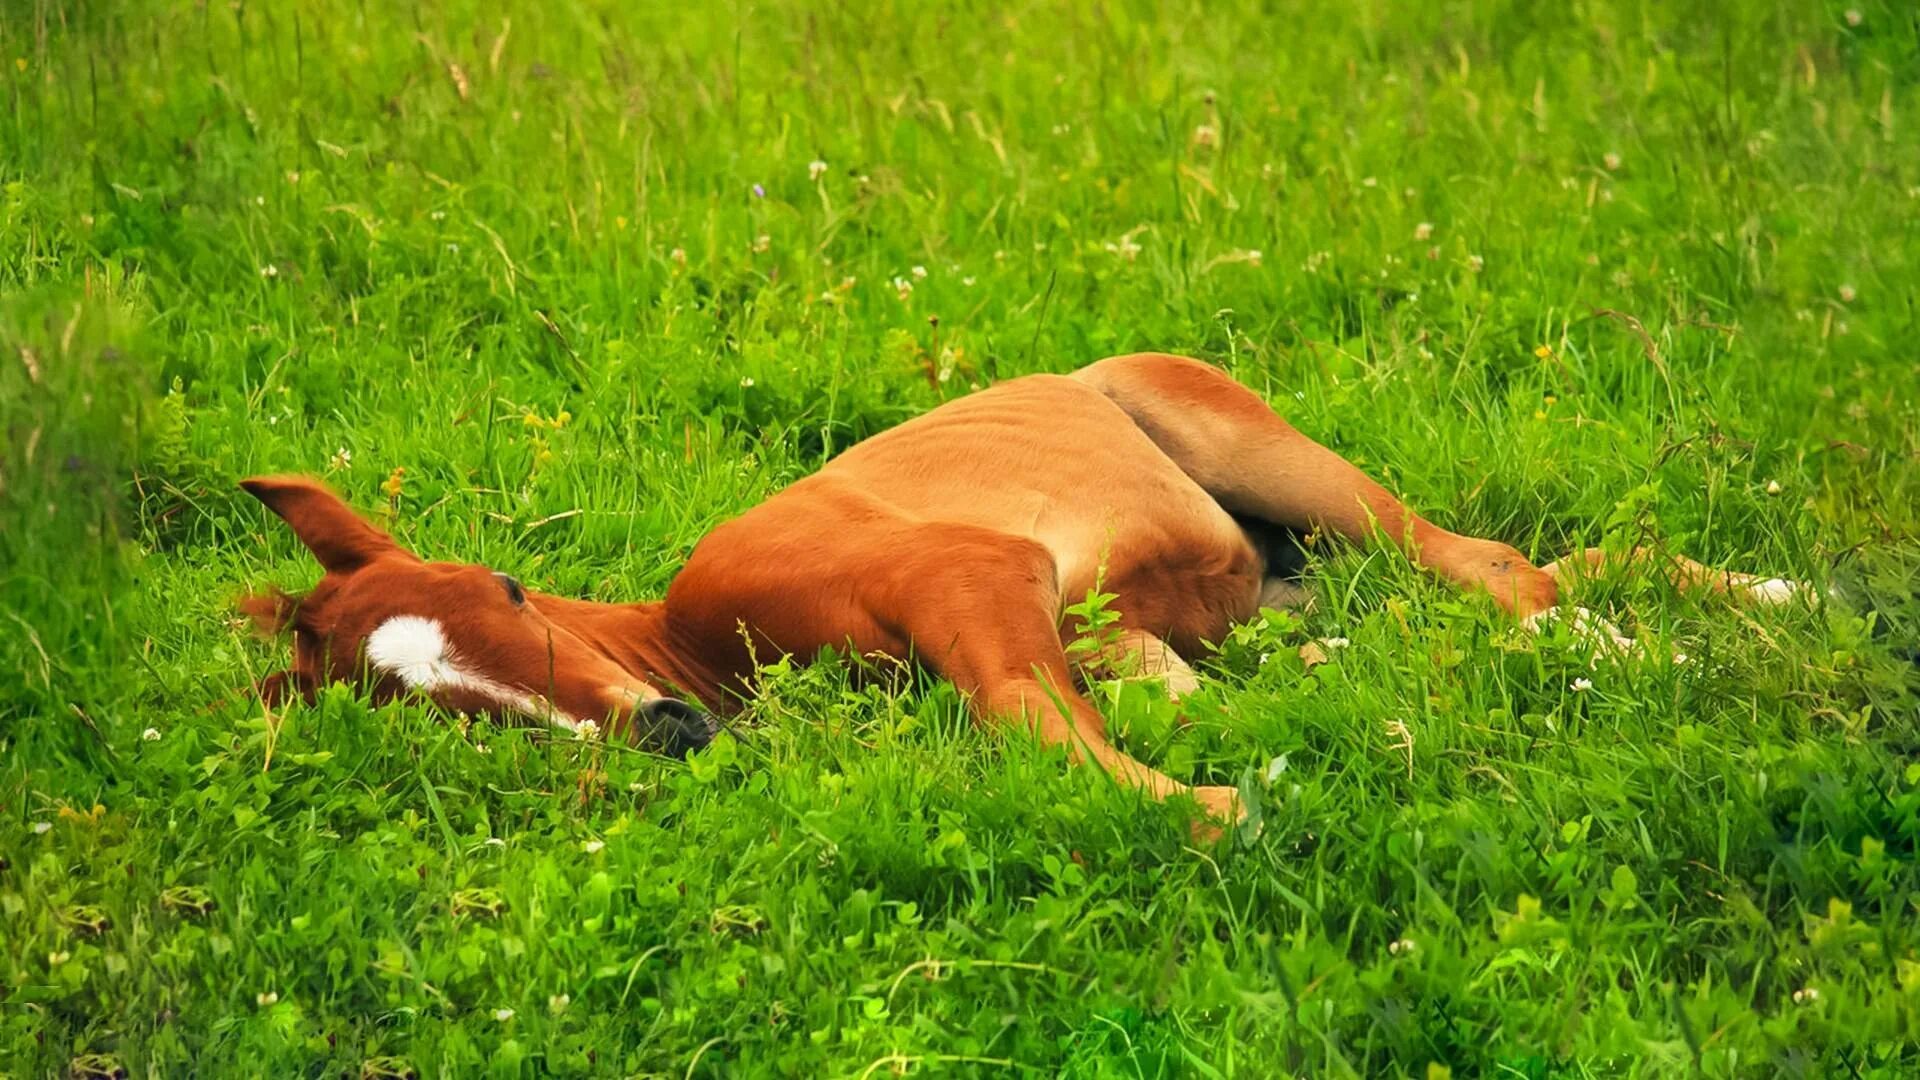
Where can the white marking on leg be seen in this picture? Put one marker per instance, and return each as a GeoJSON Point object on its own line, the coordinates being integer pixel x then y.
{"type": "Point", "coordinates": [414, 649]}
{"type": "Point", "coordinates": [1773, 591]}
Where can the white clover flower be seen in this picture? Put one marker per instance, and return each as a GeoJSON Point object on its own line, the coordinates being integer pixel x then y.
{"type": "Point", "coordinates": [746, 383]}
{"type": "Point", "coordinates": [558, 1003]}
{"type": "Point", "coordinates": [678, 256]}
{"type": "Point", "coordinates": [1773, 487]}
{"type": "Point", "coordinates": [762, 243]}
{"type": "Point", "coordinates": [503, 1014]}
{"type": "Point", "coordinates": [815, 170]}
{"type": "Point", "coordinates": [1423, 231]}
{"type": "Point", "coordinates": [1854, 18]}
{"type": "Point", "coordinates": [55, 959]}
{"type": "Point", "coordinates": [438, 215]}
{"type": "Point", "coordinates": [1612, 161]}
{"type": "Point", "coordinates": [1581, 686]}
{"type": "Point", "coordinates": [594, 847]}
{"type": "Point", "coordinates": [1335, 642]}
{"type": "Point", "coordinates": [1476, 264]}
{"type": "Point", "coordinates": [1806, 996]}
{"type": "Point", "coordinates": [903, 287]}
{"type": "Point", "coordinates": [590, 729]}
{"type": "Point", "coordinates": [150, 735]}
{"type": "Point", "coordinates": [1401, 947]}
{"type": "Point", "coordinates": [1847, 294]}
{"type": "Point", "coordinates": [265, 999]}
{"type": "Point", "coordinates": [919, 273]}
{"type": "Point", "coordinates": [482, 748]}
{"type": "Point", "coordinates": [1205, 135]}
{"type": "Point", "coordinates": [41, 828]}
{"type": "Point", "coordinates": [269, 271]}
{"type": "Point", "coordinates": [1681, 659]}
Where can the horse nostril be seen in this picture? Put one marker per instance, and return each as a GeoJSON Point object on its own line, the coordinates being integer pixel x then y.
{"type": "Point", "coordinates": [673, 726]}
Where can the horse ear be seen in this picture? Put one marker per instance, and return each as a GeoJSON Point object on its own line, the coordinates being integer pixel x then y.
{"type": "Point", "coordinates": [339, 538]}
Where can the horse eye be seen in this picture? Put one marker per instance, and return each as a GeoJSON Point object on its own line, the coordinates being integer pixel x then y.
{"type": "Point", "coordinates": [514, 592]}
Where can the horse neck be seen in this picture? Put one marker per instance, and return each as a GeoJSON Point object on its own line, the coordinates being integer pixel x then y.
{"type": "Point", "coordinates": [635, 637]}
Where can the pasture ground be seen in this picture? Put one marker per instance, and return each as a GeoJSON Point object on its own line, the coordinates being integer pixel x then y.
{"type": "Point", "coordinates": [558, 290]}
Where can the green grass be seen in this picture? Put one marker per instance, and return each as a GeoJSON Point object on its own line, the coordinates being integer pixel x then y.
{"type": "Point", "coordinates": [1561, 274]}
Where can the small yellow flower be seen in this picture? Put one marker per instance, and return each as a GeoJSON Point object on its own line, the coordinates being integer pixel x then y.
{"type": "Point", "coordinates": [1544, 352]}
{"type": "Point", "coordinates": [20, 62]}
{"type": "Point", "coordinates": [560, 419]}
{"type": "Point", "coordinates": [620, 223]}
{"type": "Point", "coordinates": [394, 482]}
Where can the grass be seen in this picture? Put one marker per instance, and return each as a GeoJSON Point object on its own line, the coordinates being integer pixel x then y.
{"type": "Point", "coordinates": [1568, 274]}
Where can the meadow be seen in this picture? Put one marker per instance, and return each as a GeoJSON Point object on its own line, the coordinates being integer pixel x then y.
{"type": "Point", "coordinates": [558, 287]}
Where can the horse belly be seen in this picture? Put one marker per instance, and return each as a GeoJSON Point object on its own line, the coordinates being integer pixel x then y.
{"type": "Point", "coordinates": [1186, 586]}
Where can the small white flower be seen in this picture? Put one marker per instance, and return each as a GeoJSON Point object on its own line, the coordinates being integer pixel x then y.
{"type": "Point", "coordinates": [920, 273]}
{"type": "Point", "coordinates": [558, 1003]}
{"type": "Point", "coordinates": [746, 382]}
{"type": "Point", "coordinates": [1854, 18]}
{"type": "Point", "coordinates": [1335, 642]}
{"type": "Point", "coordinates": [1476, 264]}
{"type": "Point", "coordinates": [1205, 135]}
{"type": "Point", "coordinates": [1806, 996]}
{"type": "Point", "coordinates": [590, 729]}
{"type": "Point", "coordinates": [266, 999]}
{"type": "Point", "coordinates": [269, 270]}
{"type": "Point", "coordinates": [152, 734]}
{"type": "Point", "coordinates": [341, 458]}
{"type": "Point", "coordinates": [968, 281]}
{"type": "Point", "coordinates": [1253, 257]}
{"type": "Point", "coordinates": [1847, 294]}
{"type": "Point", "coordinates": [41, 828]}
{"type": "Point", "coordinates": [1611, 161]}
{"type": "Point", "coordinates": [594, 847]}
{"type": "Point", "coordinates": [903, 287]}
{"type": "Point", "coordinates": [438, 215]}
{"type": "Point", "coordinates": [503, 1015]}
{"type": "Point", "coordinates": [1581, 686]}
{"type": "Point", "coordinates": [259, 200]}
{"type": "Point", "coordinates": [1423, 231]}
{"type": "Point", "coordinates": [1369, 182]}
{"type": "Point", "coordinates": [482, 748]}
{"type": "Point", "coordinates": [678, 256]}
{"type": "Point", "coordinates": [1773, 487]}
{"type": "Point", "coordinates": [816, 169]}
{"type": "Point", "coordinates": [761, 243]}
{"type": "Point", "coordinates": [55, 959]}
{"type": "Point", "coordinates": [1401, 947]}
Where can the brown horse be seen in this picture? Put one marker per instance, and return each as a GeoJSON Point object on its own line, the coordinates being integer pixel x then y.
{"type": "Point", "coordinates": [954, 539]}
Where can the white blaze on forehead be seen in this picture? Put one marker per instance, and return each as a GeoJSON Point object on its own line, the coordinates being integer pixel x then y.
{"type": "Point", "coordinates": [414, 649]}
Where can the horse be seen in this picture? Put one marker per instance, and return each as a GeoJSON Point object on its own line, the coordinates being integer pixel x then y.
{"type": "Point", "coordinates": [953, 541]}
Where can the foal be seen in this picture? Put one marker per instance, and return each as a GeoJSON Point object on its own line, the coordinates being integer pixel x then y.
{"type": "Point", "coordinates": [954, 540]}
